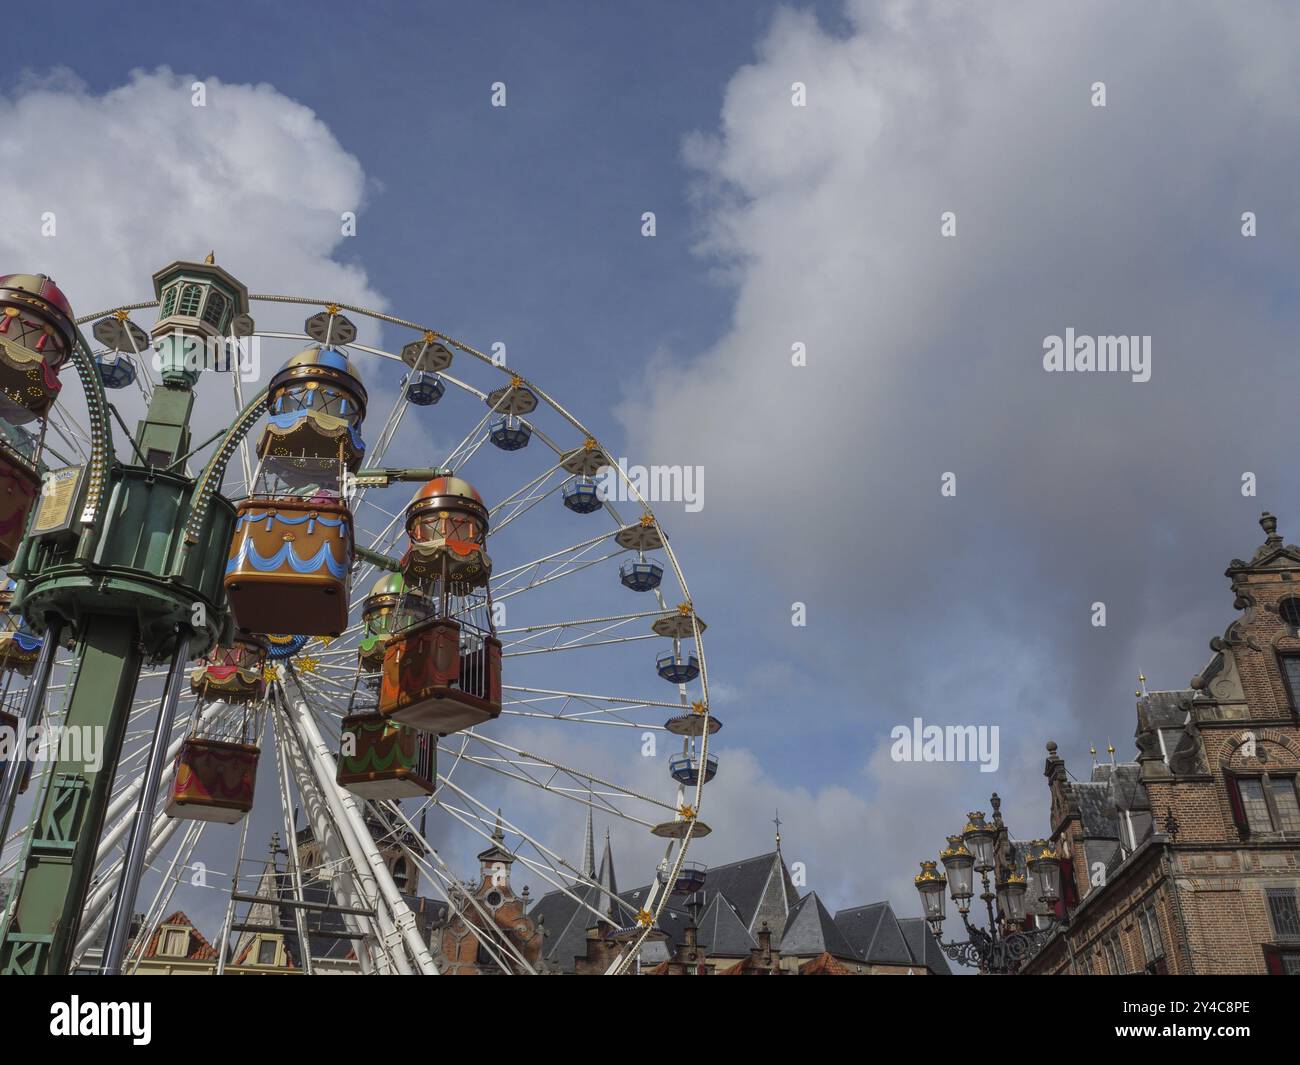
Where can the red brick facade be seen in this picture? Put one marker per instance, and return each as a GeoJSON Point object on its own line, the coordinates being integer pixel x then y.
{"type": "Point", "coordinates": [1187, 861]}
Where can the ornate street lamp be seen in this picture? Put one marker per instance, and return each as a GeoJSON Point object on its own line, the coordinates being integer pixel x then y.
{"type": "Point", "coordinates": [1045, 866]}
{"type": "Point", "coordinates": [1003, 946]}
{"type": "Point", "coordinates": [930, 884]}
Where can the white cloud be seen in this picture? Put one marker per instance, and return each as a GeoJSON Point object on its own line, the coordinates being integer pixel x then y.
{"type": "Point", "coordinates": [924, 356]}
{"type": "Point", "coordinates": [137, 177]}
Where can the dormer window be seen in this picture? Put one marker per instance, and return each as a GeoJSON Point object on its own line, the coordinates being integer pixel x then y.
{"type": "Point", "coordinates": [174, 942]}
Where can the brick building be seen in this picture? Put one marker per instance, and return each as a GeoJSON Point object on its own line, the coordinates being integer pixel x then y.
{"type": "Point", "coordinates": [1187, 860]}
{"type": "Point", "coordinates": [456, 940]}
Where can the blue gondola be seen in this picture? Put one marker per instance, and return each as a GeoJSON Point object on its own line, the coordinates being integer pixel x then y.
{"type": "Point", "coordinates": [582, 497]}
{"type": "Point", "coordinates": [424, 389]}
{"type": "Point", "coordinates": [691, 878]}
{"type": "Point", "coordinates": [641, 576]}
{"type": "Point", "coordinates": [685, 769]}
{"type": "Point", "coordinates": [510, 434]}
{"type": "Point", "coordinates": [115, 370]}
{"type": "Point", "coordinates": [677, 670]}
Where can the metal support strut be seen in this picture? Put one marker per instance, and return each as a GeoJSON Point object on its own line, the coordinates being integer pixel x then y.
{"type": "Point", "coordinates": [133, 866]}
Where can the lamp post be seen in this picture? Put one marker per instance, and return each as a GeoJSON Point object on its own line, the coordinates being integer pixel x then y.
{"type": "Point", "coordinates": [1002, 945]}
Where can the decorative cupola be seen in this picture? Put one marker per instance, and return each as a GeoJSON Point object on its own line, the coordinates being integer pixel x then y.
{"type": "Point", "coordinates": [495, 862]}
{"type": "Point", "coordinates": [197, 304]}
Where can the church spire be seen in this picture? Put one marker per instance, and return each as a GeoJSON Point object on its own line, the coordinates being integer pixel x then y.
{"type": "Point", "coordinates": [589, 850]}
{"type": "Point", "coordinates": [608, 882]}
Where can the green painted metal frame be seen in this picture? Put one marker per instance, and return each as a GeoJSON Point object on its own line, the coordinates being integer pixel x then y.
{"type": "Point", "coordinates": [132, 575]}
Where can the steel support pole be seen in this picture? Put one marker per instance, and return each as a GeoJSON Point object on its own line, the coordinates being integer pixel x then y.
{"type": "Point", "coordinates": [35, 703]}
{"type": "Point", "coordinates": [133, 866]}
{"type": "Point", "coordinates": [364, 850]}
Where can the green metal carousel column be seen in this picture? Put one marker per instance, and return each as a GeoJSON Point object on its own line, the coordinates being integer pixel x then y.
{"type": "Point", "coordinates": [125, 595]}
{"type": "Point", "coordinates": [60, 857]}
{"type": "Point", "coordinates": [64, 840]}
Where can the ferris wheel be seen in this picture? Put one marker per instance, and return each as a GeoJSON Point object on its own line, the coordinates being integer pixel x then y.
{"type": "Point", "coordinates": [416, 626]}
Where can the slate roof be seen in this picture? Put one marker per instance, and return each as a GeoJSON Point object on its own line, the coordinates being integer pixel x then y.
{"type": "Point", "coordinates": [875, 934]}
{"type": "Point", "coordinates": [925, 951]}
{"type": "Point", "coordinates": [727, 923]}
{"type": "Point", "coordinates": [1163, 732]}
{"type": "Point", "coordinates": [810, 930]}
{"type": "Point", "coordinates": [1164, 709]}
{"type": "Point", "coordinates": [564, 925]}
{"type": "Point", "coordinates": [565, 922]}
{"type": "Point", "coordinates": [722, 933]}
{"type": "Point", "coordinates": [1113, 791]}
{"type": "Point", "coordinates": [744, 883]}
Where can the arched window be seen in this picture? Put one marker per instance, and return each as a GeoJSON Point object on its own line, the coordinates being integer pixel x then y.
{"type": "Point", "coordinates": [191, 297]}
{"type": "Point", "coordinates": [169, 300]}
{"type": "Point", "coordinates": [215, 310]}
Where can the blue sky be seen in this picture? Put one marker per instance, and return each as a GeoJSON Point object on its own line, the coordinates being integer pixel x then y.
{"type": "Point", "coordinates": [819, 225]}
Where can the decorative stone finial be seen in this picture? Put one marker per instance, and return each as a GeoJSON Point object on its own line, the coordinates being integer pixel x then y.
{"type": "Point", "coordinates": [1268, 523]}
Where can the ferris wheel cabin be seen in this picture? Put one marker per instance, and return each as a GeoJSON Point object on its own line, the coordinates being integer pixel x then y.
{"type": "Point", "coordinates": [213, 781]}
{"type": "Point", "coordinates": [443, 673]}
{"type": "Point", "coordinates": [292, 551]}
{"type": "Point", "coordinates": [381, 759]}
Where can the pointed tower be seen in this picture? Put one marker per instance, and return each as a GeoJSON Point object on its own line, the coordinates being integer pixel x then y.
{"type": "Point", "coordinates": [589, 850]}
{"type": "Point", "coordinates": [607, 901]}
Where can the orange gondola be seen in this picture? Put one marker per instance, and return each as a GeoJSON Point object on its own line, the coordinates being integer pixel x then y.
{"type": "Point", "coordinates": [289, 564]}
{"type": "Point", "coordinates": [443, 673]}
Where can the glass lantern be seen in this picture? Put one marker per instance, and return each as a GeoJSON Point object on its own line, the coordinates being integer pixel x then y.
{"type": "Point", "coordinates": [1011, 897]}
{"type": "Point", "coordinates": [979, 837]}
{"type": "Point", "coordinates": [931, 885]}
{"type": "Point", "coordinates": [1044, 865]}
{"type": "Point", "coordinates": [959, 864]}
